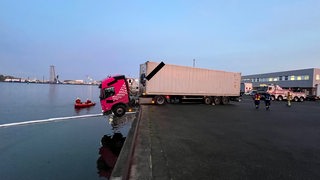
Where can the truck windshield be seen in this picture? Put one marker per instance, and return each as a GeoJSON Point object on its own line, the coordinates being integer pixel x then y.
{"type": "Point", "coordinates": [107, 92]}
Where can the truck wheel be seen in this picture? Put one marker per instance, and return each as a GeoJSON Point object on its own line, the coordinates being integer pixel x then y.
{"type": "Point", "coordinates": [160, 100]}
{"type": "Point", "coordinates": [273, 98]}
{"type": "Point", "coordinates": [216, 100]}
{"type": "Point", "coordinates": [207, 100]}
{"type": "Point", "coordinates": [119, 110]}
{"type": "Point", "coordinates": [296, 99]}
{"type": "Point", "coordinates": [225, 100]}
{"type": "Point", "coordinates": [280, 98]}
{"type": "Point", "coordinates": [301, 99]}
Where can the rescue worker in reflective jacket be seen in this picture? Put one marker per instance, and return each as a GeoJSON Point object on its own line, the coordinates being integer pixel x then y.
{"type": "Point", "coordinates": [88, 101]}
{"type": "Point", "coordinates": [257, 100]}
{"type": "Point", "coordinates": [289, 97]}
{"type": "Point", "coordinates": [78, 101]}
{"type": "Point", "coordinates": [267, 100]}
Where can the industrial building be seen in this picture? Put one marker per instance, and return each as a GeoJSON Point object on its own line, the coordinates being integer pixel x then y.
{"type": "Point", "coordinates": [305, 80]}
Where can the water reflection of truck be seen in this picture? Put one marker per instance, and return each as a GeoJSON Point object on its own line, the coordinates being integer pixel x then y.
{"type": "Point", "coordinates": [170, 83]}
{"type": "Point", "coordinates": [278, 93]}
{"type": "Point", "coordinates": [109, 153]}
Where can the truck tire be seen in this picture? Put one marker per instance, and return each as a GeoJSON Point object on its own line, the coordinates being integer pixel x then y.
{"type": "Point", "coordinates": [207, 100]}
{"type": "Point", "coordinates": [296, 99]}
{"type": "Point", "coordinates": [217, 100]}
{"type": "Point", "coordinates": [273, 98]}
{"type": "Point", "coordinates": [119, 110]}
{"type": "Point", "coordinates": [225, 100]}
{"type": "Point", "coordinates": [280, 98]}
{"type": "Point", "coordinates": [160, 100]}
{"type": "Point", "coordinates": [301, 99]}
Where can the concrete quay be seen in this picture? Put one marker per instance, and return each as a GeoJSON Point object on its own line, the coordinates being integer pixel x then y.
{"type": "Point", "coordinates": [235, 141]}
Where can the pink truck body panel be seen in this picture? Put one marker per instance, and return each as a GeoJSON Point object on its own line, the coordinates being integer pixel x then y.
{"type": "Point", "coordinates": [114, 91]}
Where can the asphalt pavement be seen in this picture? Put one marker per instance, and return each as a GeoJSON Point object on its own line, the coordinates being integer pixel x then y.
{"type": "Point", "coordinates": [235, 141]}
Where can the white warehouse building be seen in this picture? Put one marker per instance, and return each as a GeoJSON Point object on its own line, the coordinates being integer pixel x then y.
{"type": "Point", "coordinates": [305, 80]}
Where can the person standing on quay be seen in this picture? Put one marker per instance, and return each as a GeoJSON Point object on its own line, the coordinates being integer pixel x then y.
{"type": "Point", "coordinates": [289, 97]}
{"type": "Point", "coordinates": [257, 100]}
{"type": "Point", "coordinates": [267, 100]}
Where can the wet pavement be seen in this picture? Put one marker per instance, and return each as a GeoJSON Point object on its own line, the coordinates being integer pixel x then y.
{"type": "Point", "coordinates": [235, 141]}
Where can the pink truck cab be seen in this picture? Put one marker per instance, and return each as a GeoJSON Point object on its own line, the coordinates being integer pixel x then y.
{"type": "Point", "coordinates": [114, 95]}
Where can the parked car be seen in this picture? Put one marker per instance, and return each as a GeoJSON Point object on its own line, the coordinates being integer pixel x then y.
{"type": "Point", "coordinates": [252, 92]}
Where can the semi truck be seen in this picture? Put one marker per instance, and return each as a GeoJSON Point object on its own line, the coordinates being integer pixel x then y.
{"type": "Point", "coordinates": [174, 83]}
{"type": "Point", "coordinates": [245, 88]}
{"type": "Point", "coordinates": [278, 93]}
{"type": "Point", "coordinates": [315, 93]}
{"type": "Point", "coordinates": [114, 95]}
{"type": "Point", "coordinates": [170, 83]}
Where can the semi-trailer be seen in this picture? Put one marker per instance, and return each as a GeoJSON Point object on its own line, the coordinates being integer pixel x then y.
{"type": "Point", "coordinates": [166, 83]}
{"type": "Point", "coordinates": [174, 83]}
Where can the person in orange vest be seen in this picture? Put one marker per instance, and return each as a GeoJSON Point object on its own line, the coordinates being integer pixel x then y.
{"type": "Point", "coordinates": [257, 98]}
{"type": "Point", "coordinates": [289, 97]}
{"type": "Point", "coordinates": [88, 101]}
{"type": "Point", "coordinates": [78, 101]}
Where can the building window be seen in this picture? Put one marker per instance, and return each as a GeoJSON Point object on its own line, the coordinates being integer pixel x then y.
{"type": "Point", "coordinates": [275, 79]}
{"type": "Point", "coordinates": [318, 77]}
{"type": "Point", "coordinates": [306, 77]}
{"type": "Point", "coordinates": [292, 78]}
{"type": "Point", "coordinates": [270, 79]}
{"type": "Point", "coordinates": [299, 78]}
{"type": "Point", "coordinates": [286, 78]}
{"type": "Point", "coordinates": [281, 78]}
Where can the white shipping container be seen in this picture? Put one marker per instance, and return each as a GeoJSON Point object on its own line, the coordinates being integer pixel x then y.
{"type": "Point", "coordinates": [189, 81]}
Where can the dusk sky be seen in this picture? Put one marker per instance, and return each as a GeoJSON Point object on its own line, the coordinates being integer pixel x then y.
{"type": "Point", "coordinates": [97, 38]}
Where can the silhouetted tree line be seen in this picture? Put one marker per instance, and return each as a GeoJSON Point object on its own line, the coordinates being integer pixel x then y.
{"type": "Point", "coordinates": [3, 77]}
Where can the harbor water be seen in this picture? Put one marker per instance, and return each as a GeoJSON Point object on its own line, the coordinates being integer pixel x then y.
{"type": "Point", "coordinates": [63, 149]}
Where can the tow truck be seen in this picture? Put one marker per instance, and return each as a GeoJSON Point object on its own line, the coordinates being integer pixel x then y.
{"type": "Point", "coordinates": [279, 93]}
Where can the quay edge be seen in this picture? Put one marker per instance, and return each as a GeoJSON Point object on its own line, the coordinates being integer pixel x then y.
{"type": "Point", "coordinates": [121, 170]}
